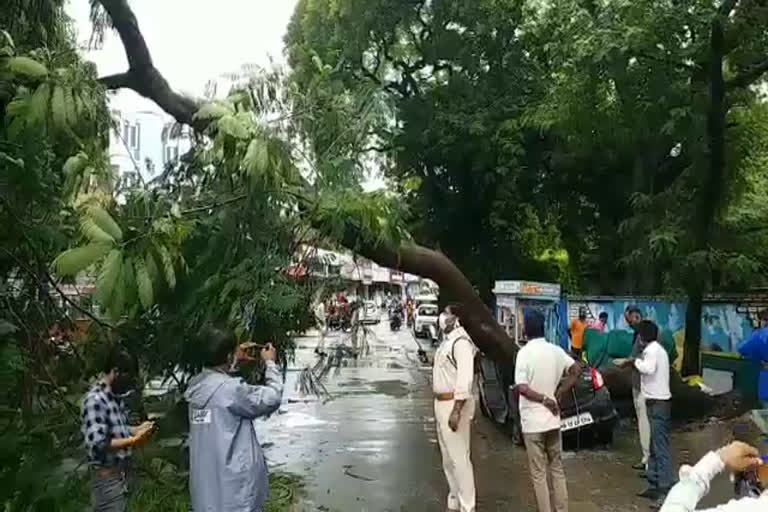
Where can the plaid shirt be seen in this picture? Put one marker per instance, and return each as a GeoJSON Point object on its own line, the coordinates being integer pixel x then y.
{"type": "Point", "coordinates": [104, 418]}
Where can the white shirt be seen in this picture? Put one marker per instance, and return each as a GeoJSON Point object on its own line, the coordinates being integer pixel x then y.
{"type": "Point", "coordinates": [694, 485]}
{"type": "Point", "coordinates": [453, 369]}
{"type": "Point", "coordinates": [541, 365]}
{"type": "Point", "coordinates": [653, 365]}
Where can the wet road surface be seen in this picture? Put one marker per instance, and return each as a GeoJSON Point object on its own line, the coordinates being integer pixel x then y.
{"type": "Point", "coordinates": [373, 447]}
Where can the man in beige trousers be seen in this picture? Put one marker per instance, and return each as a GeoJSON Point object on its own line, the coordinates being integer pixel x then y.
{"type": "Point", "coordinates": [452, 385]}
{"type": "Point", "coordinates": [539, 367]}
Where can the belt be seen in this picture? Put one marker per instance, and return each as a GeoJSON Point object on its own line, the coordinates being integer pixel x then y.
{"type": "Point", "coordinates": [107, 471]}
{"type": "Point", "coordinates": [444, 397]}
{"type": "Point", "coordinates": [656, 400]}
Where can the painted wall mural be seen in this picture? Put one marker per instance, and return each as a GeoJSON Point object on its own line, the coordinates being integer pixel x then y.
{"type": "Point", "coordinates": [724, 325]}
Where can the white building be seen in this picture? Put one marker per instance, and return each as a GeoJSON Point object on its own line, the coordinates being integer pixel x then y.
{"type": "Point", "coordinates": [143, 143]}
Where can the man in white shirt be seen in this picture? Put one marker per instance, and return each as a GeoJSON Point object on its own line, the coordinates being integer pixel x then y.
{"type": "Point", "coordinates": [653, 365]}
{"type": "Point", "coordinates": [539, 367]}
{"type": "Point", "coordinates": [453, 374]}
{"type": "Point", "coordinates": [737, 457]}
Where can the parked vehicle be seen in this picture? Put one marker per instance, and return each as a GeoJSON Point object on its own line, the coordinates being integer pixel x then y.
{"type": "Point", "coordinates": [586, 410]}
{"type": "Point", "coordinates": [369, 313]}
{"type": "Point", "coordinates": [425, 321]}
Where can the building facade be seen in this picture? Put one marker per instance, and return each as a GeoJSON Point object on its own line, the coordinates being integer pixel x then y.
{"type": "Point", "coordinates": [143, 143]}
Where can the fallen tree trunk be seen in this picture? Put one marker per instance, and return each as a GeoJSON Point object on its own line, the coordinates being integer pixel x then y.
{"type": "Point", "coordinates": [490, 337]}
{"type": "Point", "coordinates": [688, 402]}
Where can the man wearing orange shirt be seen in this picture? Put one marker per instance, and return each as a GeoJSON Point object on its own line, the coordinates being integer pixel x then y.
{"type": "Point", "coordinates": [576, 332]}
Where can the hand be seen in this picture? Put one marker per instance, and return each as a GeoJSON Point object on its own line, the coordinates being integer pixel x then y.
{"type": "Point", "coordinates": [268, 353]}
{"type": "Point", "coordinates": [144, 432]}
{"type": "Point", "coordinates": [243, 354]}
{"type": "Point", "coordinates": [453, 420]}
{"type": "Point", "coordinates": [551, 405]}
{"type": "Point", "coordinates": [739, 457]}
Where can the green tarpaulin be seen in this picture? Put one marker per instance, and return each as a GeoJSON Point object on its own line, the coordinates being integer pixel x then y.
{"type": "Point", "coordinates": [602, 348]}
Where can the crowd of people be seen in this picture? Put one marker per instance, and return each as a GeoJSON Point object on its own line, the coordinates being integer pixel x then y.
{"type": "Point", "coordinates": [544, 372]}
{"type": "Point", "coordinates": [227, 467]}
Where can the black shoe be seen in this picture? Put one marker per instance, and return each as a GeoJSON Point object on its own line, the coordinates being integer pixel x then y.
{"type": "Point", "coordinates": [639, 466]}
{"type": "Point", "coordinates": [656, 505]}
{"type": "Point", "coordinates": [650, 493]}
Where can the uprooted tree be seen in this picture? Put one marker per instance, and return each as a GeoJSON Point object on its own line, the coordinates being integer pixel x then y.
{"type": "Point", "coordinates": [256, 152]}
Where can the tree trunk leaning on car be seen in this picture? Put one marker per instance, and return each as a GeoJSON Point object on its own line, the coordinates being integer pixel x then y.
{"type": "Point", "coordinates": [145, 79]}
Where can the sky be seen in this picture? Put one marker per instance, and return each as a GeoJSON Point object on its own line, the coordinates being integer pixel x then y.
{"type": "Point", "coordinates": [193, 41]}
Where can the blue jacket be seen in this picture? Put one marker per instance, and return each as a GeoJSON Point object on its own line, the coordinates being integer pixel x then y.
{"type": "Point", "coordinates": [756, 346]}
{"type": "Point", "coordinates": [227, 468]}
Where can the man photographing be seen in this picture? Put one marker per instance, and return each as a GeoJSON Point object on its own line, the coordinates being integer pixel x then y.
{"type": "Point", "coordinates": [228, 472]}
{"type": "Point", "coordinates": [108, 436]}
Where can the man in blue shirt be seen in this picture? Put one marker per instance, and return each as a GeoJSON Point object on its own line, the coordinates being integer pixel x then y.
{"type": "Point", "coordinates": [756, 346]}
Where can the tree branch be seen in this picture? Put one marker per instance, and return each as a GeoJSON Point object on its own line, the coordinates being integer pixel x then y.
{"type": "Point", "coordinates": [748, 76]}
{"type": "Point", "coordinates": [142, 76]}
{"type": "Point", "coordinates": [145, 79]}
{"type": "Point", "coordinates": [116, 81]}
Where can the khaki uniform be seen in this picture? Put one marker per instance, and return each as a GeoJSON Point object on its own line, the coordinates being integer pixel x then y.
{"type": "Point", "coordinates": [453, 373]}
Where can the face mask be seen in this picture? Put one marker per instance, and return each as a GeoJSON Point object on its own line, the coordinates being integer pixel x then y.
{"type": "Point", "coordinates": [447, 322]}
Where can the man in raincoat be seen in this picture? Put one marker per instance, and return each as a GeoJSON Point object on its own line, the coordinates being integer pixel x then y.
{"type": "Point", "coordinates": [227, 468]}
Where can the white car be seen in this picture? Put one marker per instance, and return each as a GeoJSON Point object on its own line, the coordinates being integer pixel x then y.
{"type": "Point", "coordinates": [369, 313]}
{"type": "Point", "coordinates": [425, 321]}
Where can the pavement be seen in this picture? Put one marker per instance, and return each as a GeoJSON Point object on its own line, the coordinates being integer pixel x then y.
{"type": "Point", "coordinates": [372, 445]}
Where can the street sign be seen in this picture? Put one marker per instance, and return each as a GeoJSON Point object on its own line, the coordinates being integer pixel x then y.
{"type": "Point", "coordinates": [528, 288]}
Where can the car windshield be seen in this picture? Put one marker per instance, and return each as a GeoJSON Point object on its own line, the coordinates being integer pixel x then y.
{"type": "Point", "coordinates": [428, 311]}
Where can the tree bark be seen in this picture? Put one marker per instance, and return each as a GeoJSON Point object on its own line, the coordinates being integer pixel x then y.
{"type": "Point", "coordinates": [712, 187]}
{"type": "Point", "coordinates": [692, 344]}
{"type": "Point", "coordinates": [142, 75]}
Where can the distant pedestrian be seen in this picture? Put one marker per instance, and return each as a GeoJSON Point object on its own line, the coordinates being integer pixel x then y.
{"type": "Point", "coordinates": [653, 366]}
{"type": "Point", "coordinates": [321, 322]}
{"type": "Point", "coordinates": [539, 368]}
{"type": "Point", "coordinates": [452, 385]}
{"type": "Point", "coordinates": [576, 331]}
{"type": "Point", "coordinates": [601, 325]}
{"type": "Point", "coordinates": [227, 467]}
{"type": "Point", "coordinates": [108, 436]}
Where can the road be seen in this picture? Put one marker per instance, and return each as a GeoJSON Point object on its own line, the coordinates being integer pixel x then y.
{"type": "Point", "coordinates": [372, 446]}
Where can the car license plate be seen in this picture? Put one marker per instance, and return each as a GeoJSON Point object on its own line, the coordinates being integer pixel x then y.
{"type": "Point", "coordinates": [572, 422]}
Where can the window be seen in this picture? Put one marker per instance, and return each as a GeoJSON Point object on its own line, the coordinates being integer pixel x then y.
{"type": "Point", "coordinates": [136, 145]}
{"type": "Point", "coordinates": [126, 130]}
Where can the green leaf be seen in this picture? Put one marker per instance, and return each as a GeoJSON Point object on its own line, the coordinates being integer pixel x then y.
{"type": "Point", "coordinates": [7, 328]}
{"type": "Point", "coordinates": [256, 158]}
{"type": "Point", "coordinates": [38, 104]}
{"type": "Point", "coordinates": [105, 222]}
{"type": "Point", "coordinates": [18, 162]}
{"type": "Point", "coordinates": [27, 67]}
{"type": "Point", "coordinates": [213, 110]}
{"type": "Point", "coordinates": [144, 284]}
{"type": "Point", "coordinates": [70, 262]}
{"type": "Point", "coordinates": [93, 232]}
{"type": "Point", "coordinates": [59, 108]}
{"type": "Point", "coordinates": [75, 163]}
{"type": "Point", "coordinates": [232, 126]}
{"type": "Point", "coordinates": [109, 277]}
{"type": "Point", "coordinates": [8, 38]}
{"type": "Point", "coordinates": [168, 270]}
{"type": "Point", "coordinates": [128, 284]}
